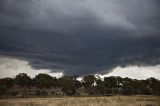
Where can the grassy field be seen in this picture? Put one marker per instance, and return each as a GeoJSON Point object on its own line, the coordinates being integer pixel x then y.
{"type": "Point", "coordinates": [84, 101]}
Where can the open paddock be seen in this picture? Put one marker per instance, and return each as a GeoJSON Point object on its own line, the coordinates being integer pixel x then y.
{"type": "Point", "coordinates": [84, 101]}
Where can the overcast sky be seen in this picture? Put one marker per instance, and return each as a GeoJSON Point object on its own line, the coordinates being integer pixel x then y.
{"type": "Point", "coordinates": [79, 37]}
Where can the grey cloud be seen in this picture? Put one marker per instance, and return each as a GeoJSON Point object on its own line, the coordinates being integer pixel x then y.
{"type": "Point", "coordinates": [71, 14]}
{"type": "Point", "coordinates": [83, 36]}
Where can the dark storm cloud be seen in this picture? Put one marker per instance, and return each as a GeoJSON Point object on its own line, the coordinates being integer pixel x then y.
{"type": "Point", "coordinates": [82, 36]}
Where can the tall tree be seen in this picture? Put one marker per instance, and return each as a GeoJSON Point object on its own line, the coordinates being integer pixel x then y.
{"type": "Point", "coordinates": [44, 80]}
{"type": "Point", "coordinates": [154, 85]}
{"type": "Point", "coordinates": [100, 88]}
{"type": "Point", "coordinates": [110, 82]}
{"type": "Point", "coordinates": [127, 86]}
{"type": "Point", "coordinates": [23, 79]}
{"type": "Point", "coordinates": [68, 85]}
{"type": "Point", "coordinates": [89, 80]}
{"type": "Point", "coordinates": [8, 82]}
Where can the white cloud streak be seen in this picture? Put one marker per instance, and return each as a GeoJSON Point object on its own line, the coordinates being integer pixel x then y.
{"type": "Point", "coordinates": [135, 72]}
{"type": "Point", "coordinates": [10, 67]}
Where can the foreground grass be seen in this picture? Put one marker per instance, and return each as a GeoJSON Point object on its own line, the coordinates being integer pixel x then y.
{"type": "Point", "coordinates": [85, 101]}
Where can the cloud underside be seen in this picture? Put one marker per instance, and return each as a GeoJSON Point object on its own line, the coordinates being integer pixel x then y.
{"type": "Point", "coordinates": [81, 37]}
{"type": "Point", "coordinates": [10, 67]}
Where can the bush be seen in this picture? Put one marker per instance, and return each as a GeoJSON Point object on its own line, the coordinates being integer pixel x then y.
{"type": "Point", "coordinates": [41, 93]}
{"type": "Point", "coordinates": [52, 92]}
{"type": "Point", "coordinates": [3, 90]}
{"type": "Point", "coordinates": [14, 93]}
{"type": "Point", "coordinates": [44, 93]}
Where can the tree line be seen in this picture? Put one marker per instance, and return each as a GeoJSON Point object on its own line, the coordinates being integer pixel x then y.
{"type": "Point", "coordinates": [92, 85]}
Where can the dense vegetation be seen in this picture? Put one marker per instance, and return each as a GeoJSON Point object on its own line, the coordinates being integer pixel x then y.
{"type": "Point", "coordinates": [92, 85]}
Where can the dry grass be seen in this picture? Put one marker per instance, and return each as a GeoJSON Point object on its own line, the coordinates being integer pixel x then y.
{"type": "Point", "coordinates": [85, 101]}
